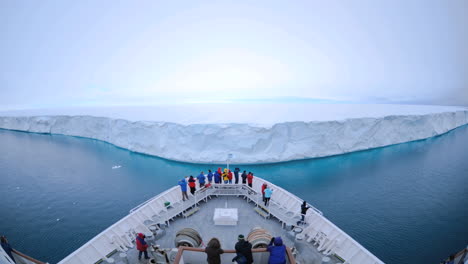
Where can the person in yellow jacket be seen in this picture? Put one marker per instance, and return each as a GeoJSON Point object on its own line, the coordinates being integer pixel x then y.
{"type": "Point", "coordinates": [225, 176]}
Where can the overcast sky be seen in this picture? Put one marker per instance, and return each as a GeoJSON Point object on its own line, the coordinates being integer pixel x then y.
{"type": "Point", "coordinates": [66, 53]}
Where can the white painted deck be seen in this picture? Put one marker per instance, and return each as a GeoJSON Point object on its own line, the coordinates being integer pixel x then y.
{"type": "Point", "coordinates": [320, 236]}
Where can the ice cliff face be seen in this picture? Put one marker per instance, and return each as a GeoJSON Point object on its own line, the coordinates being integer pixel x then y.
{"type": "Point", "coordinates": [210, 143]}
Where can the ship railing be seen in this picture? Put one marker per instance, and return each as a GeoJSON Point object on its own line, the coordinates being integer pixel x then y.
{"type": "Point", "coordinates": [121, 235]}
{"type": "Point", "coordinates": [153, 198]}
{"type": "Point", "coordinates": [331, 240]}
{"type": "Point", "coordinates": [260, 255]}
{"type": "Point", "coordinates": [282, 197]}
{"type": "Point", "coordinates": [24, 259]}
{"type": "Point", "coordinates": [328, 238]}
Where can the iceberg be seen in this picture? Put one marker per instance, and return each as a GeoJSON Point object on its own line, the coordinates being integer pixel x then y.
{"type": "Point", "coordinates": [190, 134]}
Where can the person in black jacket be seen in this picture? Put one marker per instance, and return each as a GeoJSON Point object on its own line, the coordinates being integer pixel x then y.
{"type": "Point", "coordinates": [7, 248]}
{"type": "Point", "coordinates": [244, 177]}
{"type": "Point", "coordinates": [243, 251]}
{"type": "Point", "coordinates": [304, 209]}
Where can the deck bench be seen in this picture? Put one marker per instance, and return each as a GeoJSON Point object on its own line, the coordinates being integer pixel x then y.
{"type": "Point", "coordinates": [190, 212]}
{"type": "Point", "coordinates": [261, 212]}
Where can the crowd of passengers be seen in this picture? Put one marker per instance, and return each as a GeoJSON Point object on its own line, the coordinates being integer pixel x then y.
{"type": "Point", "coordinates": [220, 176]}
{"type": "Point", "coordinates": [226, 176]}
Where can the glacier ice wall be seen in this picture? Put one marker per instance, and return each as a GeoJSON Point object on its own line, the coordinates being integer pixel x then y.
{"type": "Point", "coordinates": [210, 143]}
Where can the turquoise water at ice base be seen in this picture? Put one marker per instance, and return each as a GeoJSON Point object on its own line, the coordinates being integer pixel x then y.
{"type": "Point", "coordinates": [405, 203]}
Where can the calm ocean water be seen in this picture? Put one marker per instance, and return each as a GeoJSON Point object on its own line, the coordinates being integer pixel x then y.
{"type": "Point", "coordinates": [405, 203]}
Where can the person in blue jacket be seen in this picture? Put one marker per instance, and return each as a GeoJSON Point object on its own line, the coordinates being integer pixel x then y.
{"type": "Point", "coordinates": [210, 176]}
{"type": "Point", "coordinates": [217, 177]}
{"type": "Point", "coordinates": [183, 187]}
{"type": "Point", "coordinates": [277, 251]}
{"type": "Point", "coordinates": [201, 179]}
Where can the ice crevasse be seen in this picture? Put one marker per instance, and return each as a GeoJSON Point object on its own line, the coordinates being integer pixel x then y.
{"type": "Point", "coordinates": [248, 143]}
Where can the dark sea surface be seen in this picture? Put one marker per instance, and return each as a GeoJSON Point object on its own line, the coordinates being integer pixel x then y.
{"type": "Point", "coordinates": [406, 203]}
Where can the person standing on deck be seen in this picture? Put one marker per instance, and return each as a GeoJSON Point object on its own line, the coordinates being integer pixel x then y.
{"type": "Point", "coordinates": [268, 193]}
{"type": "Point", "coordinates": [277, 251]}
{"type": "Point", "coordinates": [183, 188]}
{"type": "Point", "coordinates": [201, 179]}
{"type": "Point", "coordinates": [243, 251]}
{"type": "Point", "coordinates": [141, 246]}
{"type": "Point", "coordinates": [191, 184]}
{"type": "Point", "coordinates": [225, 176]}
{"type": "Point", "coordinates": [7, 248]}
{"type": "Point", "coordinates": [213, 251]}
{"type": "Point", "coordinates": [304, 209]}
{"type": "Point", "coordinates": [217, 177]}
{"type": "Point", "coordinates": [250, 179]}
{"type": "Point", "coordinates": [264, 186]}
{"type": "Point", "coordinates": [230, 174]}
{"type": "Point", "coordinates": [210, 176]}
{"type": "Point", "coordinates": [244, 177]}
{"type": "Point", "coordinates": [236, 175]}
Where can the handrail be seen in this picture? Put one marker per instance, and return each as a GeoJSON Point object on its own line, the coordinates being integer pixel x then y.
{"type": "Point", "coordinates": [181, 250]}
{"type": "Point", "coordinates": [27, 257]}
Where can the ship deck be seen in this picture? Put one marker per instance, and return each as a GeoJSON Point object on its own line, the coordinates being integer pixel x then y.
{"type": "Point", "coordinates": [203, 222]}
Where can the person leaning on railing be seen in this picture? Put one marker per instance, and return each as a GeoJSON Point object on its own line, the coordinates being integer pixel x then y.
{"type": "Point", "coordinates": [7, 248]}
{"type": "Point", "coordinates": [243, 251]}
{"type": "Point", "coordinates": [277, 251]}
{"type": "Point", "coordinates": [183, 187]}
{"type": "Point", "coordinates": [214, 251]}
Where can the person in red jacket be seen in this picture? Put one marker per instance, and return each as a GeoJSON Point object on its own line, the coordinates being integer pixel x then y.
{"type": "Point", "coordinates": [192, 184]}
{"type": "Point", "coordinates": [141, 246]}
{"type": "Point", "coordinates": [264, 186]}
{"type": "Point", "coordinates": [250, 179]}
{"type": "Point", "coordinates": [230, 174]}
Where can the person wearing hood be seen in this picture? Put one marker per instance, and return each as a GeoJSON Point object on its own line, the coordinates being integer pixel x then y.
{"type": "Point", "coordinates": [244, 177]}
{"type": "Point", "coordinates": [201, 179]}
{"type": "Point", "coordinates": [141, 246]}
{"type": "Point", "coordinates": [183, 187]}
{"type": "Point", "coordinates": [243, 251]}
{"type": "Point", "coordinates": [7, 248]}
{"type": "Point", "coordinates": [225, 176]}
{"type": "Point", "coordinates": [277, 251]}
{"type": "Point", "coordinates": [210, 176]}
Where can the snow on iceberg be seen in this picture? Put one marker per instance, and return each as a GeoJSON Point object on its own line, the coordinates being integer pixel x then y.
{"type": "Point", "coordinates": [248, 142]}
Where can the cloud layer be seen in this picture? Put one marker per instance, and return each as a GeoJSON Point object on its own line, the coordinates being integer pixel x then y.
{"type": "Point", "coordinates": [100, 53]}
